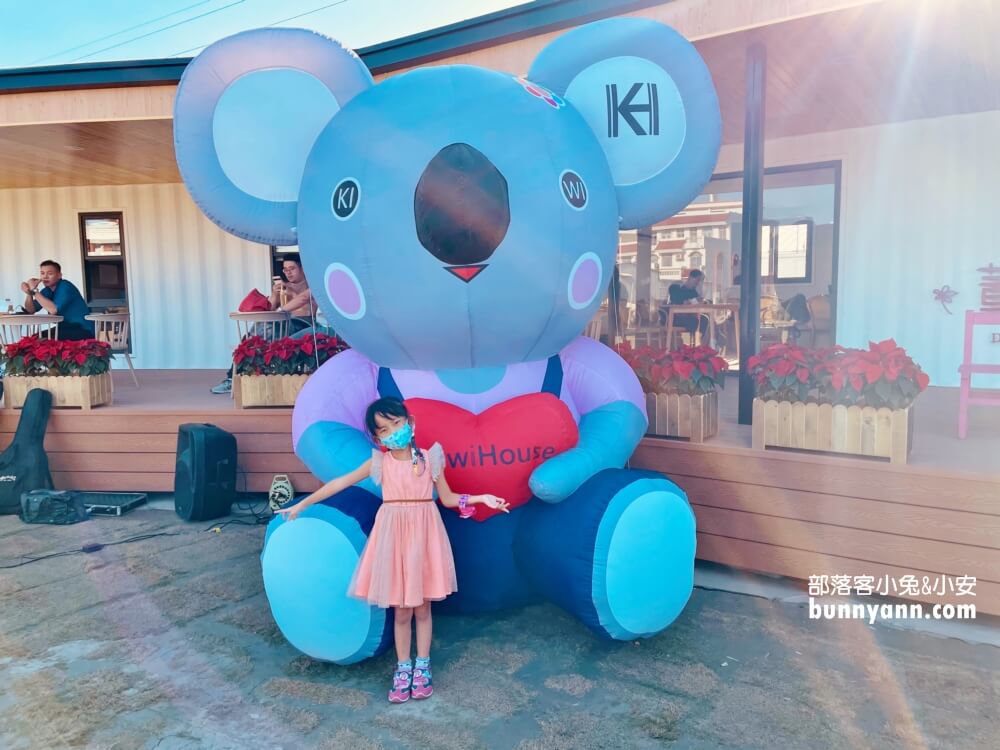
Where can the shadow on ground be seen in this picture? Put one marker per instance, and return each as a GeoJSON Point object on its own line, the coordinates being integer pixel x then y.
{"type": "Point", "coordinates": [168, 643]}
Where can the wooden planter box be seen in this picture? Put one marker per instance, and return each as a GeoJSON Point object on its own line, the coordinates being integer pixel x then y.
{"type": "Point", "coordinates": [860, 431]}
{"type": "Point", "coordinates": [266, 390]}
{"type": "Point", "coordinates": [692, 417]}
{"type": "Point", "coordinates": [67, 391]}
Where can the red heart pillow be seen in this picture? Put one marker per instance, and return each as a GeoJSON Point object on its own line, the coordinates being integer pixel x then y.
{"type": "Point", "coordinates": [495, 452]}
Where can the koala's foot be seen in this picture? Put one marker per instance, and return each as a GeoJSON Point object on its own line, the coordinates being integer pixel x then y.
{"type": "Point", "coordinates": [307, 567]}
{"type": "Point", "coordinates": [618, 554]}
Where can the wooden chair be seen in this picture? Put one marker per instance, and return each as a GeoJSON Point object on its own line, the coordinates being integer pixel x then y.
{"type": "Point", "coordinates": [113, 329]}
{"type": "Point", "coordinates": [15, 327]}
{"type": "Point", "coordinates": [595, 327]}
{"type": "Point", "coordinates": [769, 334]}
{"type": "Point", "coordinates": [820, 318]}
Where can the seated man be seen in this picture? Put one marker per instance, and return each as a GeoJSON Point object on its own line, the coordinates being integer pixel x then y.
{"type": "Point", "coordinates": [57, 296]}
{"type": "Point", "coordinates": [299, 301]}
{"type": "Point", "coordinates": [687, 293]}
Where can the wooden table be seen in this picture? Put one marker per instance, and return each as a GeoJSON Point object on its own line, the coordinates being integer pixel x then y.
{"type": "Point", "coordinates": [708, 309]}
{"type": "Point", "coordinates": [275, 324]}
{"type": "Point", "coordinates": [14, 327]}
{"type": "Point", "coordinates": [782, 326]}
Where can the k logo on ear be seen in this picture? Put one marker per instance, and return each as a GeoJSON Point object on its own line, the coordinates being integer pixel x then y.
{"type": "Point", "coordinates": [649, 99]}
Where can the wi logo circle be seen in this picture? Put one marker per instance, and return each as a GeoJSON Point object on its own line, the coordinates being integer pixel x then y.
{"type": "Point", "coordinates": [574, 189]}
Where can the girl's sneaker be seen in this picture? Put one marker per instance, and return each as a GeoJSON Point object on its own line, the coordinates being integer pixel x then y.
{"type": "Point", "coordinates": [422, 687]}
{"type": "Point", "coordinates": [402, 680]}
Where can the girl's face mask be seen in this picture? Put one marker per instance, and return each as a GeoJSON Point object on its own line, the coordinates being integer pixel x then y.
{"type": "Point", "coordinates": [399, 439]}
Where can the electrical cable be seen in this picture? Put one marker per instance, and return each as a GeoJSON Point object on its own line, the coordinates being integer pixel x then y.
{"type": "Point", "coordinates": [121, 31]}
{"type": "Point", "coordinates": [273, 23]}
{"type": "Point", "coordinates": [260, 517]}
{"type": "Point", "coordinates": [157, 31]}
{"type": "Point", "coordinates": [90, 548]}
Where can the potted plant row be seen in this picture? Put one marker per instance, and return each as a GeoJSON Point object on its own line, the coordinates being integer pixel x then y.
{"type": "Point", "coordinates": [838, 400]}
{"type": "Point", "coordinates": [680, 387]}
{"type": "Point", "coordinates": [271, 373]}
{"type": "Point", "coordinates": [77, 373]}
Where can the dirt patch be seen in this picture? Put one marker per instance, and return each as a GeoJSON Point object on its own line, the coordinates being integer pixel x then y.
{"type": "Point", "coordinates": [348, 738]}
{"type": "Point", "coordinates": [255, 618]}
{"type": "Point", "coordinates": [660, 720]}
{"type": "Point", "coordinates": [573, 731]}
{"type": "Point", "coordinates": [299, 719]}
{"type": "Point", "coordinates": [182, 604]}
{"type": "Point", "coordinates": [213, 552]}
{"type": "Point", "coordinates": [572, 684]}
{"type": "Point", "coordinates": [232, 660]}
{"type": "Point", "coordinates": [481, 678]}
{"type": "Point", "coordinates": [225, 585]}
{"type": "Point", "coordinates": [306, 666]}
{"type": "Point", "coordinates": [666, 675]}
{"type": "Point", "coordinates": [763, 715]}
{"type": "Point", "coordinates": [318, 693]}
{"type": "Point", "coordinates": [52, 710]}
{"type": "Point", "coordinates": [412, 732]}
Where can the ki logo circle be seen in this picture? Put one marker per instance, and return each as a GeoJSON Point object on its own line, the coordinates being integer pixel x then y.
{"type": "Point", "coordinates": [346, 197]}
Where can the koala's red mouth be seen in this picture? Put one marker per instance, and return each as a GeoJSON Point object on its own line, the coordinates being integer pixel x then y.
{"type": "Point", "coordinates": [466, 273]}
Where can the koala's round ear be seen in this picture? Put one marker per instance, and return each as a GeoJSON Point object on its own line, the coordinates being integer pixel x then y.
{"type": "Point", "coordinates": [248, 110]}
{"type": "Point", "coordinates": [650, 100]}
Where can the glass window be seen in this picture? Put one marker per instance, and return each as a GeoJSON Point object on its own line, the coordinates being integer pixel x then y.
{"type": "Point", "coordinates": [786, 251]}
{"type": "Point", "coordinates": [102, 235]}
{"type": "Point", "coordinates": [102, 241]}
{"type": "Point", "coordinates": [797, 255]}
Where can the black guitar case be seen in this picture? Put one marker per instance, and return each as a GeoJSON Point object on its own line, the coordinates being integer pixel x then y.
{"type": "Point", "coordinates": [23, 465]}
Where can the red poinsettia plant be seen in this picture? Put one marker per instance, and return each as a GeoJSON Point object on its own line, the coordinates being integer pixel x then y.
{"type": "Point", "coordinates": [784, 372]}
{"type": "Point", "coordinates": [287, 356]}
{"type": "Point", "coordinates": [37, 356]}
{"type": "Point", "coordinates": [883, 376]}
{"type": "Point", "coordinates": [689, 370]}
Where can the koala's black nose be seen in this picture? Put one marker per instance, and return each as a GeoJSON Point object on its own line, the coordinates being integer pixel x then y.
{"type": "Point", "coordinates": [461, 207]}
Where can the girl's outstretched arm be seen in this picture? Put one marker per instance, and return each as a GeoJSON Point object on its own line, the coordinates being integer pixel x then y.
{"type": "Point", "coordinates": [449, 498]}
{"type": "Point", "coordinates": [329, 489]}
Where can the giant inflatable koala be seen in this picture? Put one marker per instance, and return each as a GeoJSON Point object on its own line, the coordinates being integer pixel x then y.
{"type": "Point", "coordinates": [459, 228]}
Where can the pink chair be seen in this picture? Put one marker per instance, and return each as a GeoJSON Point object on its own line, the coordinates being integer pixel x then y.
{"type": "Point", "coordinates": [975, 318]}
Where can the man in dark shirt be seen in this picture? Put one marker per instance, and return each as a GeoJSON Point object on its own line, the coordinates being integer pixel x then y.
{"type": "Point", "coordinates": [686, 293]}
{"type": "Point", "coordinates": [57, 296]}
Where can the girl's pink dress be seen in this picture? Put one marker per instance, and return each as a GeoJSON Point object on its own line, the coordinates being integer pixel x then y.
{"type": "Point", "coordinates": [408, 558]}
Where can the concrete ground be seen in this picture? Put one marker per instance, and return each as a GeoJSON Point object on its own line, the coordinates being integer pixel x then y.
{"type": "Point", "coordinates": [168, 643]}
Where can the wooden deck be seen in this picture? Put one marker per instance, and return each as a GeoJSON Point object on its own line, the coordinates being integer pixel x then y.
{"type": "Point", "coordinates": [132, 444]}
{"type": "Point", "coordinates": [777, 512]}
{"type": "Point", "coordinates": [798, 514]}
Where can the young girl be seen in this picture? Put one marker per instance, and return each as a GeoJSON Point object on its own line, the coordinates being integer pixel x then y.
{"type": "Point", "coordinates": [407, 562]}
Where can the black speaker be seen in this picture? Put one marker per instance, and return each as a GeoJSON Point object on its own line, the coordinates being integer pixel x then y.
{"type": "Point", "coordinates": [205, 477]}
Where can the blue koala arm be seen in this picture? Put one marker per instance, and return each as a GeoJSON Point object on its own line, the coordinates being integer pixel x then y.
{"type": "Point", "coordinates": [608, 436]}
{"type": "Point", "coordinates": [332, 449]}
{"type": "Point", "coordinates": [609, 397]}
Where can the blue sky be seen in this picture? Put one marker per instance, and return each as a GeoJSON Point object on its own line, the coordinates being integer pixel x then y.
{"type": "Point", "coordinates": [51, 32]}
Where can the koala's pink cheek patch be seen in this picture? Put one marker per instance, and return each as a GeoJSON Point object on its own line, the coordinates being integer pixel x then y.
{"type": "Point", "coordinates": [584, 281]}
{"type": "Point", "coordinates": [344, 291]}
